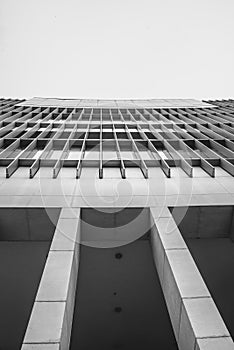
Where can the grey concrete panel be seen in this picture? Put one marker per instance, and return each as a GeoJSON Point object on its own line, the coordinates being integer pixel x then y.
{"type": "Point", "coordinates": [225, 343]}
{"type": "Point", "coordinates": [199, 319]}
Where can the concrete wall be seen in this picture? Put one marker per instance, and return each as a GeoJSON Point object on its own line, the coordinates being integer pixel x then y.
{"type": "Point", "coordinates": [119, 301]}
{"type": "Point", "coordinates": [21, 267]}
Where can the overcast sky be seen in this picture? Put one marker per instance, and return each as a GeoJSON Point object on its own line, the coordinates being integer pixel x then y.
{"type": "Point", "coordinates": [117, 48]}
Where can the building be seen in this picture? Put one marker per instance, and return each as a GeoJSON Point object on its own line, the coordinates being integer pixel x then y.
{"type": "Point", "coordinates": [116, 224]}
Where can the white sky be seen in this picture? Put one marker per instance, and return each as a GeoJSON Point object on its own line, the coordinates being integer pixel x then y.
{"type": "Point", "coordinates": [117, 48]}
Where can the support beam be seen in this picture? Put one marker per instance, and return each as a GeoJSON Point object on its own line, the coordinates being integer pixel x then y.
{"type": "Point", "coordinates": [142, 164]}
{"type": "Point", "coordinates": [83, 149]}
{"type": "Point", "coordinates": [50, 323]}
{"type": "Point", "coordinates": [122, 166]}
{"type": "Point", "coordinates": [178, 159]}
{"type": "Point", "coordinates": [159, 161]}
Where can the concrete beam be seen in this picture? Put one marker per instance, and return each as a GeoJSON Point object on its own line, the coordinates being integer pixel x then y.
{"type": "Point", "coordinates": [192, 311]}
{"type": "Point", "coordinates": [50, 323]}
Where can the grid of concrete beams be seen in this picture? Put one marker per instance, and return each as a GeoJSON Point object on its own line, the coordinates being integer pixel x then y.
{"type": "Point", "coordinates": [56, 137]}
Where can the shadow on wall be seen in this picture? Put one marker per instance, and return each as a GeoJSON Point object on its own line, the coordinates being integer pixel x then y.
{"type": "Point", "coordinates": [209, 234]}
{"type": "Point", "coordinates": [25, 238]}
{"type": "Point", "coordinates": [110, 227]}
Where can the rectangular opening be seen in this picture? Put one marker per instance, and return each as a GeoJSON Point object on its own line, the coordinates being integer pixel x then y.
{"type": "Point", "coordinates": [25, 237]}
{"type": "Point", "coordinates": [119, 301]}
{"type": "Point", "coordinates": [209, 234]}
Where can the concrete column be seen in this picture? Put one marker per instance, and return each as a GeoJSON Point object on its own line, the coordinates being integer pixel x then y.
{"type": "Point", "coordinates": [50, 324]}
{"type": "Point", "coordinates": [195, 319]}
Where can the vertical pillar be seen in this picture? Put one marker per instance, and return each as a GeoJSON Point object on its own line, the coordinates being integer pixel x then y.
{"type": "Point", "coordinates": [195, 319]}
{"type": "Point", "coordinates": [50, 324]}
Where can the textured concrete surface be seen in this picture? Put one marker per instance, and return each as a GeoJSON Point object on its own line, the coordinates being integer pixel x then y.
{"type": "Point", "coordinates": [66, 191]}
{"type": "Point", "coordinates": [192, 310]}
{"type": "Point", "coordinates": [225, 343]}
{"type": "Point", "coordinates": [51, 319]}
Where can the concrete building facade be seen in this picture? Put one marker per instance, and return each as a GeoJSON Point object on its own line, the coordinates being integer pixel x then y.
{"type": "Point", "coordinates": [116, 224]}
